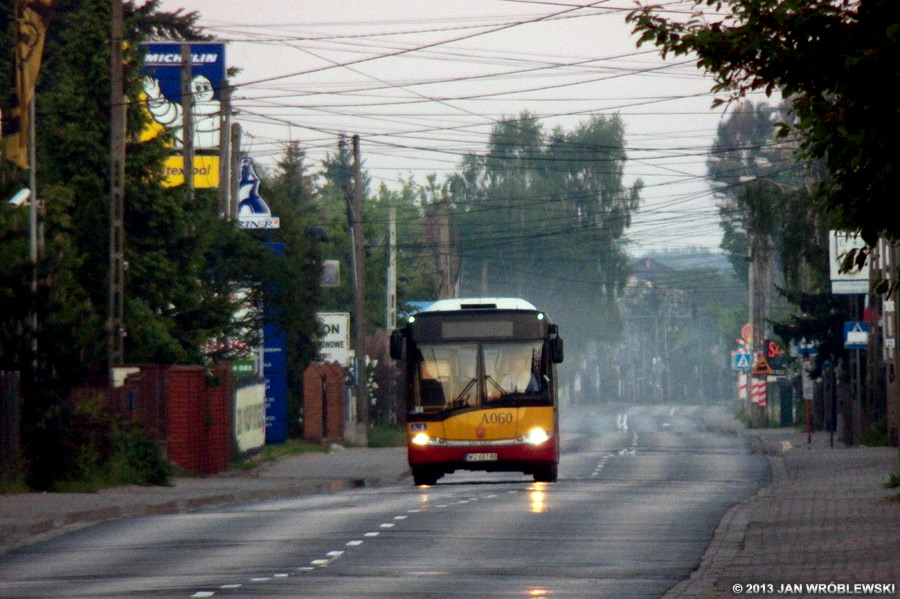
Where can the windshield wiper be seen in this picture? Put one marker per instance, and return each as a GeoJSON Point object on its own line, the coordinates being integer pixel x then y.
{"type": "Point", "coordinates": [496, 385]}
{"type": "Point", "coordinates": [463, 397]}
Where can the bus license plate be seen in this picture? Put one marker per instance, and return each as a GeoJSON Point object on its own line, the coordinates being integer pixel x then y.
{"type": "Point", "coordinates": [481, 457]}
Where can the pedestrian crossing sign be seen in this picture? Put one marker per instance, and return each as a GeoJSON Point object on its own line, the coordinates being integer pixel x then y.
{"type": "Point", "coordinates": [740, 361]}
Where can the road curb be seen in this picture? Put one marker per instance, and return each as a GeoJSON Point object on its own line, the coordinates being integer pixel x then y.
{"type": "Point", "coordinates": [14, 534]}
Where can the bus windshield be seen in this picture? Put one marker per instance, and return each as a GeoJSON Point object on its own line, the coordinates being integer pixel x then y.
{"type": "Point", "coordinates": [467, 375]}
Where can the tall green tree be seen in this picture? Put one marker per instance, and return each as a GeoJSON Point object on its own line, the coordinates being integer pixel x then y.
{"type": "Point", "coordinates": [543, 216]}
{"type": "Point", "coordinates": [833, 60]}
{"type": "Point", "coordinates": [295, 293]}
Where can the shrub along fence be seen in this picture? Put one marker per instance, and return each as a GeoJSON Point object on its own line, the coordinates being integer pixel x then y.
{"type": "Point", "coordinates": [187, 409]}
{"type": "Point", "coordinates": [10, 422]}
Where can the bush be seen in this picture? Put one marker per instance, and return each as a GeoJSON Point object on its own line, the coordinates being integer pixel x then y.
{"type": "Point", "coordinates": [387, 436]}
{"type": "Point", "coordinates": [82, 448]}
{"type": "Point", "coordinates": [138, 460]}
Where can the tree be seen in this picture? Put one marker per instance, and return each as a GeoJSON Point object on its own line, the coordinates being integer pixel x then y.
{"type": "Point", "coordinates": [184, 264]}
{"type": "Point", "coordinates": [295, 294]}
{"type": "Point", "coordinates": [833, 61]}
{"type": "Point", "coordinates": [543, 216]}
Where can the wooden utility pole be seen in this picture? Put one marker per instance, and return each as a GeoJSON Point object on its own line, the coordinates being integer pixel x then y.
{"type": "Point", "coordinates": [116, 317]}
{"type": "Point", "coordinates": [187, 121]}
{"type": "Point", "coordinates": [390, 320]}
{"type": "Point", "coordinates": [355, 217]}
{"type": "Point", "coordinates": [234, 183]}
{"type": "Point", "coordinates": [225, 154]}
{"type": "Point", "coordinates": [447, 283]}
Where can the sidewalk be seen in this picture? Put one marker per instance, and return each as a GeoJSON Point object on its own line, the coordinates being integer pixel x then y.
{"type": "Point", "coordinates": [826, 518]}
{"type": "Point", "coordinates": [28, 516]}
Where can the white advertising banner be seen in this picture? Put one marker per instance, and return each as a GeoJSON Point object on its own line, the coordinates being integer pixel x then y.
{"type": "Point", "coordinates": [336, 337]}
{"type": "Point", "coordinates": [846, 283]}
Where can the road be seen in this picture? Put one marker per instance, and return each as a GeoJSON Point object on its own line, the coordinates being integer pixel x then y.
{"type": "Point", "coordinates": [640, 493]}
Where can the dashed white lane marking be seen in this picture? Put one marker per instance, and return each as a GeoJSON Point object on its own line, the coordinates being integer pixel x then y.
{"type": "Point", "coordinates": [630, 450]}
{"type": "Point", "coordinates": [333, 555]}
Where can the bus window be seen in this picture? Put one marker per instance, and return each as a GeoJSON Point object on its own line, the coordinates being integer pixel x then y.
{"type": "Point", "coordinates": [448, 376]}
{"type": "Point", "coordinates": [511, 369]}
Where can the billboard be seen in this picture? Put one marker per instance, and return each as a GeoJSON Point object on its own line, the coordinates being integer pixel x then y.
{"type": "Point", "coordinates": [162, 100]}
{"type": "Point", "coordinates": [335, 342]}
{"type": "Point", "coordinates": [846, 283]}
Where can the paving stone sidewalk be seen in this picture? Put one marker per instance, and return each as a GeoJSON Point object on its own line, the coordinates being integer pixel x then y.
{"type": "Point", "coordinates": [827, 519]}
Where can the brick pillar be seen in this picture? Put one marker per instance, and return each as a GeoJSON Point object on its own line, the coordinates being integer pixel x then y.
{"type": "Point", "coordinates": [335, 381]}
{"type": "Point", "coordinates": [313, 403]}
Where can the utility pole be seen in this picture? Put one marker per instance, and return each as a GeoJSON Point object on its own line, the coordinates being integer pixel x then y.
{"type": "Point", "coordinates": [187, 123]}
{"type": "Point", "coordinates": [116, 317]}
{"type": "Point", "coordinates": [355, 216]}
{"type": "Point", "coordinates": [234, 182]}
{"type": "Point", "coordinates": [225, 154]}
{"type": "Point", "coordinates": [447, 283]}
{"type": "Point", "coordinates": [391, 299]}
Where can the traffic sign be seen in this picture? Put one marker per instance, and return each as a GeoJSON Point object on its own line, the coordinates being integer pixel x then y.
{"type": "Point", "coordinates": [762, 367]}
{"type": "Point", "coordinates": [856, 335]}
{"type": "Point", "coordinates": [740, 361]}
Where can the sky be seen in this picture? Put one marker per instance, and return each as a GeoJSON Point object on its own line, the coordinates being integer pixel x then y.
{"type": "Point", "coordinates": [422, 82]}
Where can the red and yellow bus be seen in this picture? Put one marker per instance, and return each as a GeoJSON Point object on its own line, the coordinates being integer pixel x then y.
{"type": "Point", "coordinates": [480, 388]}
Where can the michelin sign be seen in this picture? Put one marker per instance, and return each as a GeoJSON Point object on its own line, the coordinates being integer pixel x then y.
{"type": "Point", "coordinates": [253, 211]}
{"type": "Point", "coordinates": [162, 100]}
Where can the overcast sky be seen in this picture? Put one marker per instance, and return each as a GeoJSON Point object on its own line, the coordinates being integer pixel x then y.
{"type": "Point", "coordinates": [422, 82]}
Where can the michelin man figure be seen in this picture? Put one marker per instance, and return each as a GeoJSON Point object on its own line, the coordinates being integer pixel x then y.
{"type": "Point", "coordinates": [207, 111]}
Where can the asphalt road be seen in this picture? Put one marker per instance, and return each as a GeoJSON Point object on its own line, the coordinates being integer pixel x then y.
{"type": "Point", "coordinates": [637, 502]}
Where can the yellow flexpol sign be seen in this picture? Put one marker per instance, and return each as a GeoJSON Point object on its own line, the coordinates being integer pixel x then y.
{"type": "Point", "coordinates": [206, 171]}
{"type": "Point", "coordinates": [163, 103]}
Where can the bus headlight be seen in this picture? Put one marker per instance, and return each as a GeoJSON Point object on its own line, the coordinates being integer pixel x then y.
{"type": "Point", "coordinates": [420, 439]}
{"type": "Point", "coordinates": [536, 436]}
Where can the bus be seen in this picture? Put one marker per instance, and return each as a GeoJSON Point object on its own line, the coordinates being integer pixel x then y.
{"type": "Point", "coordinates": [480, 387]}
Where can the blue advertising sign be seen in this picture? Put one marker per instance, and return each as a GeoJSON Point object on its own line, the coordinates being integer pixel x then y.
{"type": "Point", "coordinates": [276, 407]}
{"type": "Point", "coordinates": [275, 372]}
{"type": "Point", "coordinates": [163, 102]}
{"type": "Point", "coordinates": [274, 359]}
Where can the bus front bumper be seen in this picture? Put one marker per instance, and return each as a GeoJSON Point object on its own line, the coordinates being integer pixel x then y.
{"type": "Point", "coordinates": [511, 455]}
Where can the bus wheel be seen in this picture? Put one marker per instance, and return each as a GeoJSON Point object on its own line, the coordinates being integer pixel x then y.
{"type": "Point", "coordinates": [546, 474]}
{"type": "Point", "coordinates": [424, 476]}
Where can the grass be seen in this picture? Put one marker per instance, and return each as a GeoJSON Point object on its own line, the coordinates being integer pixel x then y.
{"type": "Point", "coordinates": [270, 453]}
{"type": "Point", "coordinates": [13, 483]}
{"type": "Point", "coordinates": [387, 436]}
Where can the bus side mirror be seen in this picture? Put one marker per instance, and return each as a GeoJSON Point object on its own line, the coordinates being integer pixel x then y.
{"type": "Point", "coordinates": [397, 344]}
{"type": "Point", "coordinates": [556, 350]}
